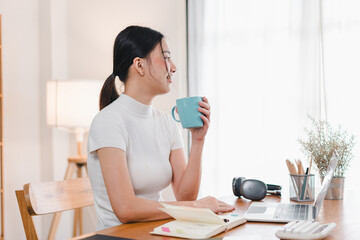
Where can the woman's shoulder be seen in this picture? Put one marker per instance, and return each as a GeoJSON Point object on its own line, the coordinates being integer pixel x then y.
{"type": "Point", "coordinates": [108, 115]}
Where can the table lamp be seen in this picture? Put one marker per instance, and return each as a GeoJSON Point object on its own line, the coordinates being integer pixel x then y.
{"type": "Point", "coordinates": [71, 106]}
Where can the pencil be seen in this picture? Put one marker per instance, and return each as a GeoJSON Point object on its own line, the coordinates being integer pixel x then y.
{"type": "Point", "coordinates": [298, 166]}
{"type": "Point", "coordinates": [301, 171]}
{"type": "Point", "coordinates": [292, 172]}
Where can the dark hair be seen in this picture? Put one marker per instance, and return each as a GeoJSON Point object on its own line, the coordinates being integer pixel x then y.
{"type": "Point", "coordinates": [132, 42]}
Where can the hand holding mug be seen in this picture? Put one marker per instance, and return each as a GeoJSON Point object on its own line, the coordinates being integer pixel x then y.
{"type": "Point", "coordinates": [194, 113]}
{"type": "Point", "coordinates": [204, 108]}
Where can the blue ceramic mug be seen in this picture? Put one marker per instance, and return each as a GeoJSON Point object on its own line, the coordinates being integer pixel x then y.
{"type": "Point", "coordinates": [189, 114]}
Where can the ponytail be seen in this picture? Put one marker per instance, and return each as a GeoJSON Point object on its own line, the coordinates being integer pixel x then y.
{"type": "Point", "coordinates": [108, 92]}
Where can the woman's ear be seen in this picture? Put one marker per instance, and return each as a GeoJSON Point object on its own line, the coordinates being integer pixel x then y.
{"type": "Point", "coordinates": [139, 65]}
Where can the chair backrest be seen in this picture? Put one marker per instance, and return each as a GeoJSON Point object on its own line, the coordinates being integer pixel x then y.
{"type": "Point", "coordinates": [50, 197]}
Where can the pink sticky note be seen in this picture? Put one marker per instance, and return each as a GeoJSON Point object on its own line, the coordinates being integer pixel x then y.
{"type": "Point", "coordinates": [165, 229]}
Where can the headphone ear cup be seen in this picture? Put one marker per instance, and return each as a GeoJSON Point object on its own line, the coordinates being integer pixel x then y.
{"type": "Point", "coordinates": [237, 182]}
{"type": "Point", "coordinates": [254, 189]}
{"type": "Point", "coordinates": [234, 186]}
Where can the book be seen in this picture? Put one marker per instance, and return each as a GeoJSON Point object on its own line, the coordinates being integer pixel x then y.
{"type": "Point", "coordinates": [196, 223]}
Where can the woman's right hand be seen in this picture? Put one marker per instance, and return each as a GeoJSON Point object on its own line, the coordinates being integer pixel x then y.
{"type": "Point", "coordinates": [214, 204]}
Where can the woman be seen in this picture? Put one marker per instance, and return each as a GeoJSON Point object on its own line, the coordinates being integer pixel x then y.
{"type": "Point", "coordinates": [135, 151]}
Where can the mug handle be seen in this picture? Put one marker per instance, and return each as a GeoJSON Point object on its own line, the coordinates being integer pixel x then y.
{"type": "Point", "coordinates": [173, 115]}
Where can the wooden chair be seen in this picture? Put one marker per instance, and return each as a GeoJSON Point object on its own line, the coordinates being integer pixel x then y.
{"type": "Point", "coordinates": [50, 197]}
{"type": "Point", "coordinates": [76, 164]}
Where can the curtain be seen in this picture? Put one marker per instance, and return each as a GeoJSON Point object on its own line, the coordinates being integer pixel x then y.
{"type": "Point", "coordinates": [265, 66]}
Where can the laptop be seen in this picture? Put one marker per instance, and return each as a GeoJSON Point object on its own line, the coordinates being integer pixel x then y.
{"type": "Point", "coordinates": [286, 212]}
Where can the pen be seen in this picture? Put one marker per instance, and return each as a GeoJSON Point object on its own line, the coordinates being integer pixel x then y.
{"type": "Point", "coordinates": [304, 185]}
{"type": "Point", "coordinates": [226, 220]}
{"type": "Point", "coordinates": [308, 190]}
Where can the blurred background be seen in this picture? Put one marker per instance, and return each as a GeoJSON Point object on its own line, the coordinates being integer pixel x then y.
{"type": "Point", "coordinates": [264, 65]}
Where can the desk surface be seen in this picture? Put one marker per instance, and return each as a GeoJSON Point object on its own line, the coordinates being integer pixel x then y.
{"type": "Point", "coordinates": [345, 213]}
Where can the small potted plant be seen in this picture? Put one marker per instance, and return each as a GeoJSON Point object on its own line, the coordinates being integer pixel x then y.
{"type": "Point", "coordinates": [320, 145]}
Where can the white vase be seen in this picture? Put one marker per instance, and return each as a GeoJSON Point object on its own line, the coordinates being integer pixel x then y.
{"type": "Point", "coordinates": [336, 189]}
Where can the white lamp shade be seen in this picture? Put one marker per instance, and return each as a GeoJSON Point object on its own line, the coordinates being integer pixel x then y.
{"type": "Point", "coordinates": [72, 103]}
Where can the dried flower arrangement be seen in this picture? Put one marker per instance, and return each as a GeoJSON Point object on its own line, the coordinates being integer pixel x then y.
{"type": "Point", "coordinates": [321, 143]}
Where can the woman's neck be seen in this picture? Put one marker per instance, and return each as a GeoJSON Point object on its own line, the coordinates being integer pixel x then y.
{"type": "Point", "coordinates": [137, 87]}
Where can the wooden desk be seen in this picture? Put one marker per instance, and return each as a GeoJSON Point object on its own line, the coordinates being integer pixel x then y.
{"type": "Point", "coordinates": [345, 213]}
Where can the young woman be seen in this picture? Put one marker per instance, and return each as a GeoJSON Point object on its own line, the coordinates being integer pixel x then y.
{"type": "Point", "coordinates": [135, 150]}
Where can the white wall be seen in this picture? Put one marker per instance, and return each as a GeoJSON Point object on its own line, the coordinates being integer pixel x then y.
{"type": "Point", "coordinates": [21, 104]}
{"type": "Point", "coordinates": [59, 39]}
{"type": "Point", "coordinates": [92, 31]}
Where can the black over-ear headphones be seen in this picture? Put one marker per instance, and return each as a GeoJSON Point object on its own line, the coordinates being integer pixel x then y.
{"type": "Point", "coordinates": [253, 189]}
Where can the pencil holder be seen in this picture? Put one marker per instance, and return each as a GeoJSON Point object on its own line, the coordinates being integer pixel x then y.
{"type": "Point", "coordinates": [302, 187]}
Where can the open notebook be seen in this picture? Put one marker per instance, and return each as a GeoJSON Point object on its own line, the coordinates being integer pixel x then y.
{"type": "Point", "coordinates": [196, 223]}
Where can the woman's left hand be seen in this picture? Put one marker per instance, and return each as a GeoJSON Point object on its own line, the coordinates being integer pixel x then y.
{"type": "Point", "coordinates": [204, 108]}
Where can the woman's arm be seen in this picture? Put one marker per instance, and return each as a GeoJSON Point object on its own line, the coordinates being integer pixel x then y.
{"type": "Point", "coordinates": [129, 208]}
{"type": "Point", "coordinates": [187, 177]}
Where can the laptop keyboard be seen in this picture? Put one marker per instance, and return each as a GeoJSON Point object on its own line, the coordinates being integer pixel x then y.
{"type": "Point", "coordinates": [292, 211]}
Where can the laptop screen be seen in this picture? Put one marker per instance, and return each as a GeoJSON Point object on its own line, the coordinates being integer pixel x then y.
{"type": "Point", "coordinates": [326, 182]}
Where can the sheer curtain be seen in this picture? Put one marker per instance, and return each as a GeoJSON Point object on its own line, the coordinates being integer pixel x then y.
{"type": "Point", "coordinates": [264, 65]}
